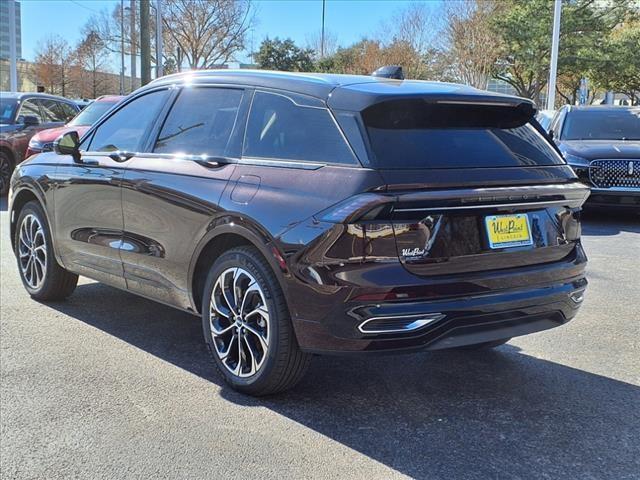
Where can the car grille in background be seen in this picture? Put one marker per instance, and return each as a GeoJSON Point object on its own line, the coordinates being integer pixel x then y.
{"type": "Point", "coordinates": [615, 173]}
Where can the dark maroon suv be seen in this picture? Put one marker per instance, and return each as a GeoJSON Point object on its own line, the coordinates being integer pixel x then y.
{"type": "Point", "coordinates": [307, 213]}
{"type": "Point", "coordinates": [22, 115]}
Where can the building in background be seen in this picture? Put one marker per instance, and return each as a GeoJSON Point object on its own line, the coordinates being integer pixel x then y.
{"type": "Point", "coordinates": [4, 29]}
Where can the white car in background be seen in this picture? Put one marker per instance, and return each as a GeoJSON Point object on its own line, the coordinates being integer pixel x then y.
{"type": "Point", "coordinates": [544, 118]}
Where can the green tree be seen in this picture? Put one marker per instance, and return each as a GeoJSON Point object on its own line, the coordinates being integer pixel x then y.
{"type": "Point", "coordinates": [284, 55]}
{"type": "Point", "coordinates": [620, 71]}
{"type": "Point", "coordinates": [524, 29]}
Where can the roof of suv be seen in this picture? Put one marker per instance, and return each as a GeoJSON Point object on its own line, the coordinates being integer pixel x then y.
{"type": "Point", "coordinates": [348, 92]}
{"type": "Point", "coordinates": [21, 95]}
{"type": "Point", "coordinates": [601, 108]}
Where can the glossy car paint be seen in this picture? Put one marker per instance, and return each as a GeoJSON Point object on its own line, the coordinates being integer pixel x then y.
{"type": "Point", "coordinates": [146, 223]}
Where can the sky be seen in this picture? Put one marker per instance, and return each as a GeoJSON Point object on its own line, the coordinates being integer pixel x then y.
{"type": "Point", "coordinates": [347, 20]}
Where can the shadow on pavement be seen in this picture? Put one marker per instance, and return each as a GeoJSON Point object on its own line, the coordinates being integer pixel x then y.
{"type": "Point", "coordinates": [599, 222]}
{"type": "Point", "coordinates": [495, 414]}
{"type": "Point", "coordinates": [4, 203]}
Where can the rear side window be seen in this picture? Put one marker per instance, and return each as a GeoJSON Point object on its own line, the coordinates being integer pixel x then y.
{"type": "Point", "coordinates": [57, 111]}
{"type": "Point", "coordinates": [126, 129]}
{"type": "Point", "coordinates": [200, 122]}
{"type": "Point", "coordinates": [414, 134]}
{"type": "Point", "coordinates": [280, 128]}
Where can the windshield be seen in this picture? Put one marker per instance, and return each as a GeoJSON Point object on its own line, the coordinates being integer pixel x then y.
{"type": "Point", "coordinates": [91, 113]}
{"type": "Point", "coordinates": [623, 124]}
{"type": "Point", "coordinates": [412, 134]}
{"type": "Point", "coordinates": [7, 109]}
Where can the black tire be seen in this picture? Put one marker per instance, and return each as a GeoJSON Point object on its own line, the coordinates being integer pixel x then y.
{"type": "Point", "coordinates": [6, 169]}
{"type": "Point", "coordinates": [284, 364]}
{"type": "Point", "coordinates": [485, 345]}
{"type": "Point", "coordinates": [57, 283]}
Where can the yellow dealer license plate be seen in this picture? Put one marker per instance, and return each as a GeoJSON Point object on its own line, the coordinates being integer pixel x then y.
{"type": "Point", "coordinates": [508, 230]}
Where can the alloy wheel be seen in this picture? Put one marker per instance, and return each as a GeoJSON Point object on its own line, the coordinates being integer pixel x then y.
{"type": "Point", "coordinates": [32, 251]}
{"type": "Point", "coordinates": [239, 322]}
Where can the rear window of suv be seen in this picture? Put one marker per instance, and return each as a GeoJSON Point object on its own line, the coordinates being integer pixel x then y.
{"type": "Point", "coordinates": [281, 128]}
{"type": "Point", "coordinates": [415, 134]}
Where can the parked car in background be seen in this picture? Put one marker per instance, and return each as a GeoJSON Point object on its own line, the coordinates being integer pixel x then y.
{"type": "Point", "coordinates": [22, 115]}
{"type": "Point", "coordinates": [544, 118]}
{"type": "Point", "coordinates": [602, 145]}
{"type": "Point", "coordinates": [43, 141]}
{"type": "Point", "coordinates": [82, 103]}
{"type": "Point", "coordinates": [310, 213]}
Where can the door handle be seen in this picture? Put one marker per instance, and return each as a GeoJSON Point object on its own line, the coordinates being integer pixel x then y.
{"type": "Point", "coordinates": [120, 156]}
{"type": "Point", "coordinates": [212, 161]}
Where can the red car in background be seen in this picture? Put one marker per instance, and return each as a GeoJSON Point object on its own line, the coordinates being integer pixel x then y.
{"type": "Point", "coordinates": [43, 141]}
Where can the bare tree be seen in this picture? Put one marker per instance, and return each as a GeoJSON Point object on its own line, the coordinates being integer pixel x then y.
{"type": "Point", "coordinates": [314, 42]}
{"type": "Point", "coordinates": [91, 61]}
{"type": "Point", "coordinates": [54, 59]}
{"type": "Point", "coordinates": [471, 44]}
{"type": "Point", "coordinates": [411, 33]}
{"type": "Point", "coordinates": [208, 32]}
{"type": "Point", "coordinates": [108, 26]}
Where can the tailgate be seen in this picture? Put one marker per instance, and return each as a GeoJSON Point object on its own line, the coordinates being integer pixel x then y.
{"type": "Point", "coordinates": [440, 232]}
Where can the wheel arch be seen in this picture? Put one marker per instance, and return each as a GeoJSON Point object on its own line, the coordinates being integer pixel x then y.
{"type": "Point", "coordinates": [18, 201]}
{"type": "Point", "coordinates": [230, 232]}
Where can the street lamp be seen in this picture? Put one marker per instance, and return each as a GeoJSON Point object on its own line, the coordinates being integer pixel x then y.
{"type": "Point", "coordinates": [553, 70]}
{"type": "Point", "coordinates": [121, 47]}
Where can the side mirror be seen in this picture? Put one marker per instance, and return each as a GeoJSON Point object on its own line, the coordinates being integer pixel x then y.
{"type": "Point", "coordinates": [68, 144]}
{"type": "Point", "coordinates": [30, 120]}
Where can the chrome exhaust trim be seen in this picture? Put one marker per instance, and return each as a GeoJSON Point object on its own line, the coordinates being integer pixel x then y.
{"type": "Point", "coordinates": [398, 323]}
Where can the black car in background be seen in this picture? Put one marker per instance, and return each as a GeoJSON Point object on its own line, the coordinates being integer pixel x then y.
{"type": "Point", "coordinates": [22, 115]}
{"type": "Point", "coordinates": [308, 213]}
{"type": "Point", "coordinates": [602, 145]}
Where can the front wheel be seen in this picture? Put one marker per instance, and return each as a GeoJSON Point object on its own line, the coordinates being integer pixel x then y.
{"type": "Point", "coordinates": [247, 326]}
{"type": "Point", "coordinates": [40, 273]}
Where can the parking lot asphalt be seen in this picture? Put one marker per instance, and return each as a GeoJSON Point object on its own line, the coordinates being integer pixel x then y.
{"type": "Point", "coordinates": [110, 385]}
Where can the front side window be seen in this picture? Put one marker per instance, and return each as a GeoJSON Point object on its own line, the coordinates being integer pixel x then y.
{"type": "Point", "coordinates": [279, 128]}
{"type": "Point", "coordinates": [29, 108]}
{"type": "Point", "coordinates": [7, 109]}
{"type": "Point", "coordinates": [200, 122]}
{"type": "Point", "coordinates": [126, 129]}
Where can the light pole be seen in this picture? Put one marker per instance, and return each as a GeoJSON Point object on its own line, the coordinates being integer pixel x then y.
{"type": "Point", "coordinates": [121, 47]}
{"type": "Point", "coordinates": [553, 70]}
{"type": "Point", "coordinates": [322, 31]}
{"type": "Point", "coordinates": [132, 34]}
{"type": "Point", "coordinates": [159, 68]}
{"type": "Point", "coordinates": [13, 61]}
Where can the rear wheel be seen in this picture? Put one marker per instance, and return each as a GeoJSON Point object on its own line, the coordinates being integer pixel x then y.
{"type": "Point", "coordinates": [485, 345]}
{"type": "Point", "coordinates": [6, 169]}
{"type": "Point", "coordinates": [247, 326]}
{"type": "Point", "coordinates": [40, 273]}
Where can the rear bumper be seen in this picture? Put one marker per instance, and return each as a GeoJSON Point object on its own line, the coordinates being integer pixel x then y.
{"type": "Point", "coordinates": [618, 198]}
{"type": "Point", "coordinates": [463, 321]}
{"type": "Point", "coordinates": [472, 309]}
